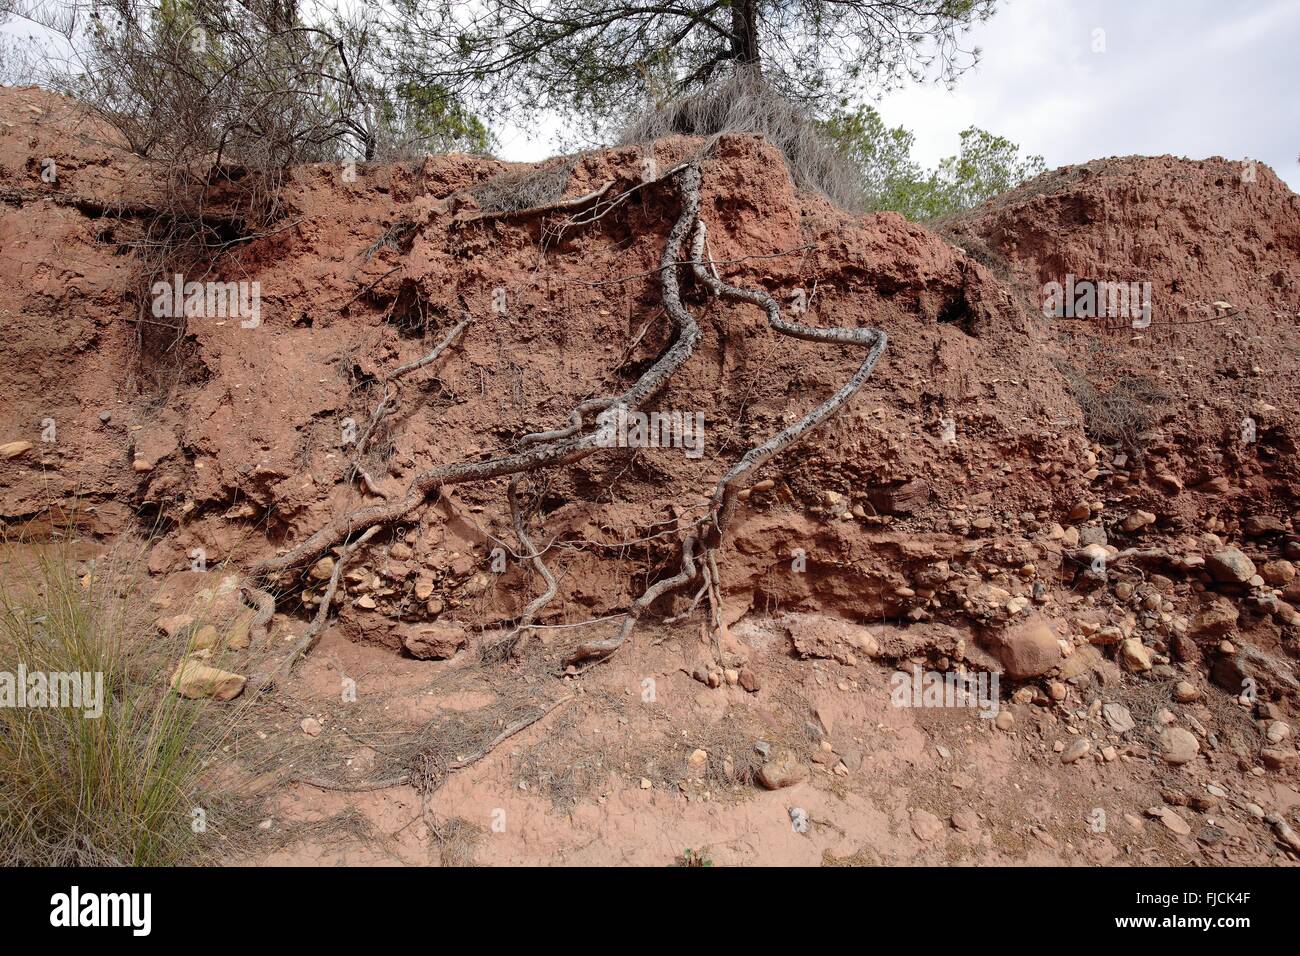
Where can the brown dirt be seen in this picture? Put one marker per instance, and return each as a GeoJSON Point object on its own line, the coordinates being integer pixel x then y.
{"type": "Point", "coordinates": [241, 431]}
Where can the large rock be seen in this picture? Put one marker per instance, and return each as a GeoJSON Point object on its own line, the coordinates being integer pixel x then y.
{"type": "Point", "coordinates": [1028, 649]}
{"type": "Point", "coordinates": [434, 641]}
{"type": "Point", "coordinates": [1230, 566]}
{"type": "Point", "coordinates": [194, 679]}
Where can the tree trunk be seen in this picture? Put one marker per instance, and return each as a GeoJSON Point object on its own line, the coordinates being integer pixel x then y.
{"type": "Point", "coordinates": [744, 32]}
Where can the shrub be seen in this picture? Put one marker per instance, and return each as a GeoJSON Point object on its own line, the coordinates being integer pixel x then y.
{"type": "Point", "coordinates": [116, 788]}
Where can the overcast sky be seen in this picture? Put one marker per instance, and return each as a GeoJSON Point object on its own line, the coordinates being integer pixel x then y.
{"type": "Point", "coordinates": [1192, 78]}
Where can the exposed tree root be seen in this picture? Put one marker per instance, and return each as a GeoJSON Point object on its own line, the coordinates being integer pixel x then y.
{"type": "Point", "coordinates": [312, 634]}
{"type": "Point", "coordinates": [564, 451]}
{"type": "Point", "coordinates": [387, 403]}
{"type": "Point", "coordinates": [570, 443]}
{"type": "Point", "coordinates": [709, 530]}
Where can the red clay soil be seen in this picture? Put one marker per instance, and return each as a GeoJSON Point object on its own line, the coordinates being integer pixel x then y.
{"type": "Point", "coordinates": [948, 508]}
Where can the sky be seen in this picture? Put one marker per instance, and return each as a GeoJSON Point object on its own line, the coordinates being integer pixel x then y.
{"type": "Point", "coordinates": [1074, 80]}
{"type": "Point", "coordinates": [1193, 78]}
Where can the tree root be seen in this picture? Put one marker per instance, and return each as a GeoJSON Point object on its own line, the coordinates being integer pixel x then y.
{"type": "Point", "coordinates": [567, 450]}
{"type": "Point", "coordinates": [709, 530]}
{"type": "Point", "coordinates": [570, 443]}
{"type": "Point", "coordinates": [387, 403]}
{"type": "Point", "coordinates": [305, 643]}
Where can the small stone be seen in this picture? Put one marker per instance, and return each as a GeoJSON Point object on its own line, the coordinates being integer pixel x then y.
{"type": "Point", "coordinates": [1171, 820]}
{"type": "Point", "coordinates": [171, 626]}
{"type": "Point", "coordinates": [698, 759]}
{"type": "Point", "coordinates": [194, 679]}
{"type": "Point", "coordinates": [322, 569]}
{"type": "Point", "coordinates": [1077, 750]}
{"type": "Point", "coordinates": [749, 680]}
{"type": "Point", "coordinates": [645, 784]}
{"type": "Point", "coordinates": [1005, 720]}
{"type": "Point", "coordinates": [1186, 693]}
{"type": "Point", "coordinates": [1135, 655]}
{"type": "Point", "coordinates": [1278, 731]}
{"type": "Point", "coordinates": [1118, 717]}
{"type": "Point", "coordinates": [310, 726]}
{"type": "Point", "coordinates": [925, 825]}
{"type": "Point", "coordinates": [1178, 746]}
{"type": "Point", "coordinates": [782, 769]}
{"type": "Point", "coordinates": [142, 465]}
{"type": "Point", "coordinates": [966, 821]}
{"type": "Point", "coordinates": [731, 676]}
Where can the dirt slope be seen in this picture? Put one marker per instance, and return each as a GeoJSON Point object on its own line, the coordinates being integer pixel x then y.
{"type": "Point", "coordinates": [950, 508]}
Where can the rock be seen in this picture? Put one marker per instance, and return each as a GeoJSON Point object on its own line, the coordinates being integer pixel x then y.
{"type": "Point", "coordinates": [1217, 620]}
{"type": "Point", "coordinates": [310, 726]}
{"type": "Point", "coordinates": [698, 760]}
{"type": "Point", "coordinates": [1276, 758]}
{"type": "Point", "coordinates": [900, 500]}
{"type": "Point", "coordinates": [1135, 656]}
{"type": "Point", "coordinates": [1259, 526]}
{"type": "Point", "coordinates": [322, 570]}
{"type": "Point", "coordinates": [195, 680]}
{"type": "Point", "coordinates": [1230, 566]}
{"type": "Point", "coordinates": [1118, 717]}
{"type": "Point", "coordinates": [1178, 746]}
{"type": "Point", "coordinates": [782, 769]}
{"type": "Point", "coordinates": [925, 825]}
{"type": "Point", "coordinates": [966, 821]}
{"type": "Point", "coordinates": [434, 641]}
{"type": "Point", "coordinates": [749, 680]}
{"type": "Point", "coordinates": [1078, 749]}
{"type": "Point", "coordinates": [1137, 520]}
{"type": "Point", "coordinates": [206, 638]}
{"type": "Point", "coordinates": [731, 676]}
{"type": "Point", "coordinates": [1278, 731]}
{"type": "Point", "coordinates": [1171, 820]}
{"type": "Point", "coordinates": [12, 449]}
{"type": "Point", "coordinates": [1186, 693]}
{"type": "Point", "coordinates": [1278, 574]}
{"type": "Point", "coordinates": [142, 465]}
{"type": "Point", "coordinates": [1284, 831]}
{"type": "Point", "coordinates": [175, 624]}
{"type": "Point", "coordinates": [1005, 720]}
{"type": "Point", "coordinates": [1029, 649]}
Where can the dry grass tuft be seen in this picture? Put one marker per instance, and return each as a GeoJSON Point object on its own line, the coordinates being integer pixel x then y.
{"type": "Point", "coordinates": [744, 104]}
